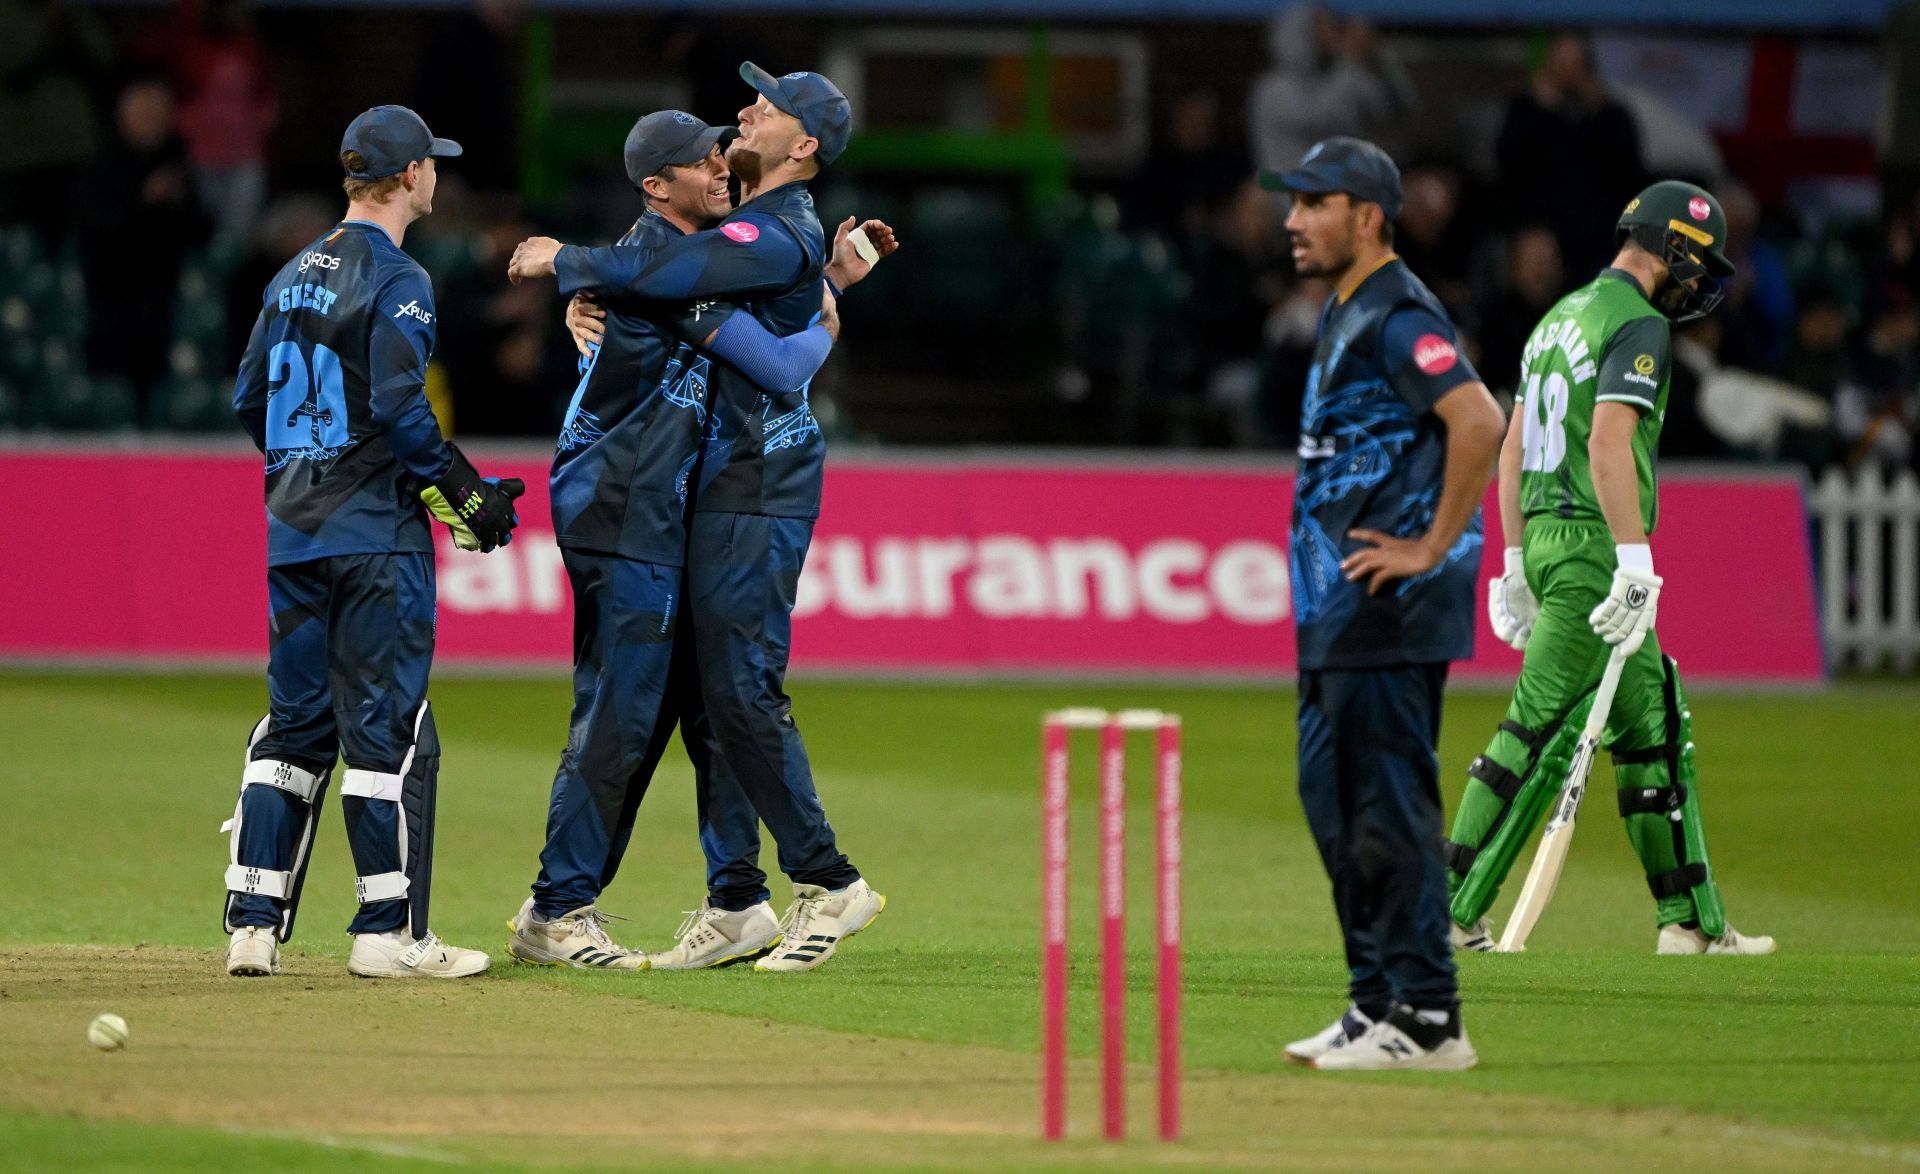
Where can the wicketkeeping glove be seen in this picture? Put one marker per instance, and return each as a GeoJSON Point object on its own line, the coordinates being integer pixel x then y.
{"type": "Point", "coordinates": [478, 510]}
{"type": "Point", "coordinates": [1511, 605]}
{"type": "Point", "coordinates": [1625, 616]}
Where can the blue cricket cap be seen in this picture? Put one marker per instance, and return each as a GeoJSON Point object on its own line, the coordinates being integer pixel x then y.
{"type": "Point", "coordinates": [1342, 164]}
{"type": "Point", "coordinates": [669, 138]}
{"type": "Point", "coordinates": [389, 138]}
{"type": "Point", "coordinates": [819, 105]}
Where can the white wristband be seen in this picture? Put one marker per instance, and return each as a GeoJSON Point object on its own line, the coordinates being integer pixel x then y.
{"type": "Point", "coordinates": [1635, 557]}
{"type": "Point", "coordinates": [1514, 563]}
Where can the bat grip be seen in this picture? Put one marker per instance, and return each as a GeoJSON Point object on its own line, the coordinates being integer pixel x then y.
{"type": "Point", "coordinates": [1603, 696]}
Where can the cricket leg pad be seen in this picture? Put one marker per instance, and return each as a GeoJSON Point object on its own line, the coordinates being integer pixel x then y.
{"type": "Point", "coordinates": [390, 817]}
{"type": "Point", "coordinates": [1509, 790]}
{"type": "Point", "coordinates": [1659, 799]}
{"type": "Point", "coordinates": [270, 840]}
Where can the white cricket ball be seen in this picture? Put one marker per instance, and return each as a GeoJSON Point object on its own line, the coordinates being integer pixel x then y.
{"type": "Point", "coordinates": [107, 1032]}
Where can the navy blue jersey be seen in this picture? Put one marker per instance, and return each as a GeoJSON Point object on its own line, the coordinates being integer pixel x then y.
{"type": "Point", "coordinates": [631, 437]}
{"type": "Point", "coordinates": [1373, 457]}
{"type": "Point", "coordinates": [763, 452]}
{"type": "Point", "coordinates": [330, 389]}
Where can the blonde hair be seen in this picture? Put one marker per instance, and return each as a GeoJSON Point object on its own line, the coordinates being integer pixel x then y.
{"type": "Point", "coordinates": [367, 191]}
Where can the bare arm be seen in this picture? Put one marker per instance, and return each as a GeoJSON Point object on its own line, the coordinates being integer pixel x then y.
{"type": "Point", "coordinates": [1616, 482]}
{"type": "Point", "coordinates": [1513, 523]}
{"type": "Point", "coordinates": [1473, 444]}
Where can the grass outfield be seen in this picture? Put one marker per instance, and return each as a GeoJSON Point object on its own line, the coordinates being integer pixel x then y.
{"type": "Point", "coordinates": [916, 1046]}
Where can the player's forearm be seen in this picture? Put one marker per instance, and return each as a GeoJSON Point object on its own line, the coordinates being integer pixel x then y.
{"type": "Point", "coordinates": [777, 364]}
{"type": "Point", "coordinates": [1513, 523]}
{"type": "Point", "coordinates": [1473, 447]}
{"type": "Point", "coordinates": [412, 432]}
{"type": "Point", "coordinates": [685, 270]}
{"type": "Point", "coordinates": [1616, 484]}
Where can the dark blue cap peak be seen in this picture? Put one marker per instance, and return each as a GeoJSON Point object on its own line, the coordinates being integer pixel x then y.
{"type": "Point", "coordinates": [669, 138]}
{"type": "Point", "coordinates": [819, 105]}
{"type": "Point", "coordinates": [1342, 164]}
{"type": "Point", "coordinates": [389, 138]}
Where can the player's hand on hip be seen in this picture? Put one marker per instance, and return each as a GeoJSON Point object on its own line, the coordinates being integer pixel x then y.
{"type": "Point", "coordinates": [477, 510]}
{"type": "Point", "coordinates": [1510, 603]}
{"type": "Point", "coordinates": [1626, 615]}
{"type": "Point", "coordinates": [586, 322]}
{"type": "Point", "coordinates": [532, 258]}
{"type": "Point", "coordinates": [1386, 558]}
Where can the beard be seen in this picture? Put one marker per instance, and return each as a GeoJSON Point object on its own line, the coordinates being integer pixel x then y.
{"type": "Point", "coordinates": [744, 163]}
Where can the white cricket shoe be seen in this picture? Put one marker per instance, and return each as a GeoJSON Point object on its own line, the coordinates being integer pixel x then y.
{"type": "Point", "coordinates": [1678, 939]}
{"type": "Point", "coordinates": [1477, 937]}
{"type": "Point", "coordinates": [818, 921]}
{"type": "Point", "coordinates": [716, 937]}
{"type": "Point", "coordinates": [1390, 1046]}
{"type": "Point", "coordinates": [577, 938]}
{"type": "Point", "coordinates": [253, 952]}
{"type": "Point", "coordinates": [1349, 1027]}
{"type": "Point", "coordinates": [396, 955]}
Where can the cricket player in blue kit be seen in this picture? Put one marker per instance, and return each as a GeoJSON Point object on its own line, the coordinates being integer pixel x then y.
{"type": "Point", "coordinates": [1398, 438]}
{"type": "Point", "coordinates": [331, 391]}
{"type": "Point", "coordinates": [755, 501]}
{"type": "Point", "coordinates": [622, 474]}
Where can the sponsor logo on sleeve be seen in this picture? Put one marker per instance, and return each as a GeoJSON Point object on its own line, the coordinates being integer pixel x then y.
{"type": "Point", "coordinates": [1434, 355]}
{"type": "Point", "coordinates": [412, 310]}
{"type": "Point", "coordinates": [1698, 208]}
{"type": "Point", "coordinates": [1643, 364]}
{"type": "Point", "coordinates": [741, 231]}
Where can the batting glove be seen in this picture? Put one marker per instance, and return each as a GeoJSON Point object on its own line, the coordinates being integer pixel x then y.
{"type": "Point", "coordinates": [1625, 616]}
{"type": "Point", "coordinates": [478, 510]}
{"type": "Point", "coordinates": [1511, 605]}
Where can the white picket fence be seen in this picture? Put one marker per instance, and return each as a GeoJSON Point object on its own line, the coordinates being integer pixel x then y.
{"type": "Point", "coordinates": [1869, 573]}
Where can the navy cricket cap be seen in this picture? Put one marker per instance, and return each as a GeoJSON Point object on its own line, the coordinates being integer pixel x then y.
{"type": "Point", "coordinates": [819, 105]}
{"type": "Point", "coordinates": [389, 138]}
{"type": "Point", "coordinates": [1342, 164]}
{"type": "Point", "coordinates": [669, 138]}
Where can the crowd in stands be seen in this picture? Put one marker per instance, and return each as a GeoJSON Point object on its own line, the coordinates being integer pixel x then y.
{"type": "Point", "coordinates": [137, 230]}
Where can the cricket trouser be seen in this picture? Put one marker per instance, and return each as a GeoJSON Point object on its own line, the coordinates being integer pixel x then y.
{"type": "Point", "coordinates": [1569, 565]}
{"type": "Point", "coordinates": [625, 616]}
{"type": "Point", "coordinates": [743, 571]}
{"type": "Point", "coordinates": [1370, 784]}
{"type": "Point", "coordinates": [351, 641]}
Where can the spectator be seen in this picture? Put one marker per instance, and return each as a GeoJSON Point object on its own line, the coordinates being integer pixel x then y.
{"type": "Point", "coordinates": [1533, 281]}
{"type": "Point", "coordinates": [1569, 156]}
{"type": "Point", "coordinates": [509, 363]}
{"type": "Point", "coordinates": [1191, 175]}
{"type": "Point", "coordinates": [1430, 237]}
{"type": "Point", "coordinates": [1329, 76]}
{"type": "Point", "coordinates": [1757, 317]}
{"type": "Point", "coordinates": [1876, 409]}
{"type": "Point", "coordinates": [51, 55]}
{"type": "Point", "coordinates": [137, 202]}
{"type": "Point", "coordinates": [469, 81]}
{"type": "Point", "coordinates": [1238, 278]}
{"type": "Point", "coordinates": [222, 78]}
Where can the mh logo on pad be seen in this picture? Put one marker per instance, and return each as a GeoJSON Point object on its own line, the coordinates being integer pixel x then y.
{"type": "Point", "coordinates": [745, 233]}
{"type": "Point", "coordinates": [1636, 597]}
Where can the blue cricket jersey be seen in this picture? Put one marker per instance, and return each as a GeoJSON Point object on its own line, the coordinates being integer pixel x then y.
{"type": "Point", "coordinates": [762, 451]}
{"type": "Point", "coordinates": [331, 389]}
{"type": "Point", "coordinates": [1373, 457]}
{"type": "Point", "coordinates": [631, 437]}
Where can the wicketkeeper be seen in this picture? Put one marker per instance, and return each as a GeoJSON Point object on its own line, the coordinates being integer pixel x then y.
{"type": "Point", "coordinates": [1577, 493]}
{"type": "Point", "coordinates": [332, 391]}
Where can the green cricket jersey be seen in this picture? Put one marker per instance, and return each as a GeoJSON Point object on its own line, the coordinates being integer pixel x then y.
{"type": "Point", "coordinates": [1601, 343]}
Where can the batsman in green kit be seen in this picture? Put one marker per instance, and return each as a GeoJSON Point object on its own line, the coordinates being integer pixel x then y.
{"type": "Point", "coordinates": [1577, 489]}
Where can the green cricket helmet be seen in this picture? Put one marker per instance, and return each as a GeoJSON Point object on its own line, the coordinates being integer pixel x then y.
{"type": "Point", "coordinates": [1684, 226]}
